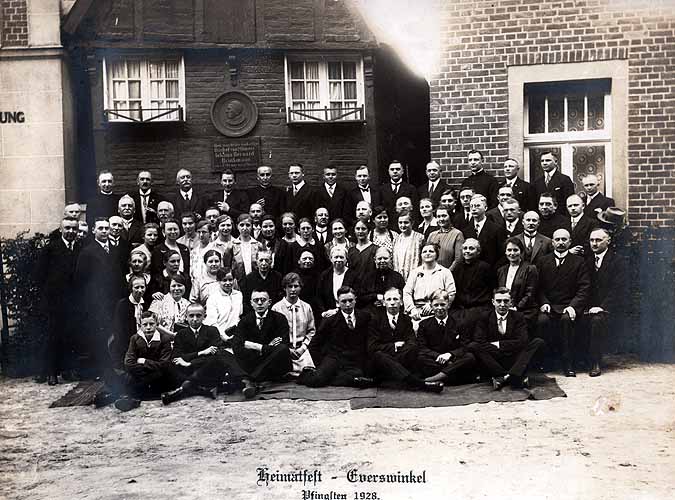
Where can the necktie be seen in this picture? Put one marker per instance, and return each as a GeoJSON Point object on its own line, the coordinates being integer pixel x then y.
{"type": "Point", "coordinates": [431, 188]}
{"type": "Point", "coordinates": [350, 323]}
{"type": "Point", "coordinates": [574, 224]}
{"type": "Point", "coordinates": [365, 190]}
{"type": "Point", "coordinates": [394, 188]}
{"type": "Point", "coordinates": [477, 226]}
{"type": "Point", "coordinates": [441, 324]}
{"type": "Point", "coordinates": [258, 321]}
{"type": "Point", "coordinates": [559, 261]}
{"type": "Point", "coordinates": [295, 189]}
{"type": "Point", "coordinates": [393, 323]}
{"type": "Point", "coordinates": [502, 325]}
{"type": "Point", "coordinates": [530, 242]}
{"type": "Point", "coordinates": [331, 190]}
{"type": "Point", "coordinates": [106, 248]}
{"type": "Point", "coordinates": [467, 215]}
{"type": "Point", "coordinates": [597, 262]}
{"type": "Point", "coordinates": [224, 196]}
{"type": "Point", "coordinates": [187, 198]}
{"type": "Point", "coordinates": [547, 178]}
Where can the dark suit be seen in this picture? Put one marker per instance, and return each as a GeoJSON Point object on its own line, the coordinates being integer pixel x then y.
{"type": "Point", "coordinates": [432, 341]}
{"type": "Point", "coordinates": [355, 195]}
{"type": "Point", "coordinates": [273, 362]}
{"type": "Point", "coordinates": [568, 285]}
{"type": "Point", "coordinates": [548, 225]}
{"type": "Point", "coordinates": [523, 288]}
{"type": "Point", "coordinates": [517, 229]}
{"type": "Point", "coordinates": [560, 186]}
{"type": "Point", "coordinates": [491, 240]}
{"type": "Point", "coordinates": [599, 203]}
{"type": "Point", "coordinates": [153, 201]}
{"type": "Point", "coordinates": [388, 362]}
{"type": "Point", "coordinates": [483, 183]}
{"type": "Point", "coordinates": [435, 195]}
{"type": "Point", "coordinates": [254, 281]}
{"type": "Point", "coordinates": [341, 351]}
{"type": "Point", "coordinates": [302, 203]}
{"type": "Point", "coordinates": [495, 215]}
{"type": "Point", "coordinates": [197, 204]}
{"type": "Point", "coordinates": [275, 199]}
{"type": "Point", "coordinates": [55, 276]}
{"type": "Point", "coordinates": [101, 205]}
{"type": "Point", "coordinates": [515, 351]}
{"type": "Point", "coordinates": [337, 205]}
{"type": "Point", "coordinates": [541, 246]}
{"type": "Point", "coordinates": [524, 193]}
{"type": "Point", "coordinates": [474, 282]}
{"type": "Point", "coordinates": [149, 377]}
{"type": "Point", "coordinates": [389, 199]}
{"type": "Point", "coordinates": [460, 221]}
{"type": "Point", "coordinates": [325, 297]}
{"type": "Point", "coordinates": [608, 283]}
{"type": "Point", "coordinates": [376, 282]}
{"type": "Point", "coordinates": [237, 201]}
{"type": "Point", "coordinates": [134, 235]}
{"type": "Point", "coordinates": [582, 231]}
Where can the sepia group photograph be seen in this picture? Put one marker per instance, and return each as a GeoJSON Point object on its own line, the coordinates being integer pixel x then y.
{"type": "Point", "coordinates": [337, 249]}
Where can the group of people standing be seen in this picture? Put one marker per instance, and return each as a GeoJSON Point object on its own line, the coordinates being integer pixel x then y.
{"type": "Point", "coordinates": [329, 285]}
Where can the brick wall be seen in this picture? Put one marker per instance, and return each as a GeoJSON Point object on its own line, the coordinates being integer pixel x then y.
{"type": "Point", "coordinates": [13, 23]}
{"type": "Point", "coordinates": [164, 148]}
{"type": "Point", "coordinates": [481, 39]}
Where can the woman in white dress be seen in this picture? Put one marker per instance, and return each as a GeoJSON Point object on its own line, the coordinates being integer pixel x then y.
{"type": "Point", "coordinates": [407, 246]}
{"type": "Point", "coordinates": [225, 305]}
{"type": "Point", "coordinates": [171, 309]}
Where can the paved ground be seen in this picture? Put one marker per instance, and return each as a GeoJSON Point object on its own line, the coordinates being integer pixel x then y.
{"type": "Point", "coordinates": [558, 449]}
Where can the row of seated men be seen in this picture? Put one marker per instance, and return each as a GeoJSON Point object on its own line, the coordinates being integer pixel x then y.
{"type": "Point", "coordinates": [350, 348]}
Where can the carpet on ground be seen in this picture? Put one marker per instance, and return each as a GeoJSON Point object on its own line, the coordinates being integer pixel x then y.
{"type": "Point", "coordinates": [81, 395]}
{"type": "Point", "coordinates": [291, 390]}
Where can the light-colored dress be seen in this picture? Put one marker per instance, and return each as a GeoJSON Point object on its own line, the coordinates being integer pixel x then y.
{"type": "Point", "coordinates": [422, 283]}
{"type": "Point", "coordinates": [301, 329]}
{"type": "Point", "coordinates": [384, 240]}
{"type": "Point", "coordinates": [450, 243]}
{"type": "Point", "coordinates": [169, 311]}
{"type": "Point", "coordinates": [223, 311]}
{"type": "Point", "coordinates": [406, 254]}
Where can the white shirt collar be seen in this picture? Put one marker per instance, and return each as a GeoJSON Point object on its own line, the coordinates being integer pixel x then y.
{"type": "Point", "coordinates": [67, 243]}
{"type": "Point", "coordinates": [155, 337]}
{"type": "Point", "coordinates": [600, 257]}
{"type": "Point", "coordinates": [329, 187]}
{"type": "Point", "coordinates": [349, 316]}
{"type": "Point", "coordinates": [188, 192]}
{"type": "Point", "coordinates": [392, 317]}
{"type": "Point", "coordinates": [560, 255]}
{"type": "Point", "coordinates": [131, 299]}
{"type": "Point", "coordinates": [589, 198]}
{"type": "Point", "coordinates": [298, 186]}
{"type": "Point", "coordinates": [577, 218]}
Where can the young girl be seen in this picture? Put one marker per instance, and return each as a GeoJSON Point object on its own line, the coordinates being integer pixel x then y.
{"type": "Point", "coordinates": [225, 305]}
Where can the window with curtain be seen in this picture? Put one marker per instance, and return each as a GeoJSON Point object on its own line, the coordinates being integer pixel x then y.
{"type": "Point", "coordinates": [139, 89]}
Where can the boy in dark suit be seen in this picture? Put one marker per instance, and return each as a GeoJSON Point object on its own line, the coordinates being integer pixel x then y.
{"type": "Point", "coordinates": [501, 344]}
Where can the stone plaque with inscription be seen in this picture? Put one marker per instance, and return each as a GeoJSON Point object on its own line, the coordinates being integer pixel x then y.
{"type": "Point", "coordinates": [237, 155]}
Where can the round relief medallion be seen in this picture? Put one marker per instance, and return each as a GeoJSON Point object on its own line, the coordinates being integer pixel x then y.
{"type": "Point", "coordinates": [234, 114]}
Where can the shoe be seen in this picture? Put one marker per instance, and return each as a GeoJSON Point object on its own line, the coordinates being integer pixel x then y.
{"type": "Point", "coordinates": [498, 383]}
{"type": "Point", "coordinates": [127, 404]}
{"type": "Point", "coordinates": [570, 373]}
{"type": "Point", "coordinates": [172, 396]}
{"type": "Point", "coordinates": [39, 379]}
{"type": "Point", "coordinates": [225, 387]}
{"type": "Point", "coordinates": [206, 392]}
{"type": "Point", "coordinates": [520, 382]}
{"type": "Point", "coordinates": [104, 398]}
{"type": "Point", "coordinates": [436, 387]}
{"type": "Point", "coordinates": [363, 382]}
{"type": "Point", "coordinates": [52, 380]}
{"type": "Point", "coordinates": [249, 389]}
{"type": "Point", "coordinates": [595, 370]}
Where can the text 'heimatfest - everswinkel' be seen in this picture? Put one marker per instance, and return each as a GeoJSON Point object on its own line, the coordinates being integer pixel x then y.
{"type": "Point", "coordinates": [353, 476]}
{"type": "Point", "coordinates": [303, 476]}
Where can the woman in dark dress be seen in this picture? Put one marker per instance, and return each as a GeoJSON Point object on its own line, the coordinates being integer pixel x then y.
{"type": "Point", "coordinates": [521, 278]}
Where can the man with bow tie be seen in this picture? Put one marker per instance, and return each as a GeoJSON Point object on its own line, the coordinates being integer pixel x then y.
{"type": "Point", "coordinates": [363, 191]}
{"type": "Point", "coordinates": [261, 340]}
{"type": "Point", "coordinates": [55, 276]}
{"type": "Point", "coordinates": [443, 355]}
{"type": "Point", "coordinates": [392, 346]}
{"type": "Point", "coordinates": [564, 289]}
{"type": "Point", "coordinates": [321, 228]}
{"type": "Point", "coordinates": [501, 344]}
{"type": "Point", "coordinates": [339, 346]}
{"type": "Point", "coordinates": [607, 284]}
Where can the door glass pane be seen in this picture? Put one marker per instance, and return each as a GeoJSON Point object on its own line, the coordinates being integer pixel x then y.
{"type": "Point", "coordinates": [135, 106]}
{"type": "Point", "coordinates": [596, 112]}
{"type": "Point", "coordinates": [575, 114]}
{"type": "Point", "coordinates": [313, 91]}
{"type": "Point", "coordinates": [556, 115]}
{"type": "Point", "coordinates": [535, 160]}
{"type": "Point", "coordinates": [535, 114]}
{"type": "Point", "coordinates": [588, 159]}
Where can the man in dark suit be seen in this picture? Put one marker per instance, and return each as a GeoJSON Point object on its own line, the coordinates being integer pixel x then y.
{"type": "Point", "coordinates": [127, 320]}
{"type": "Point", "coordinates": [98, 279]}
{"type": "Point", "coordinates": [553, 181]}
{"type": "Point", "coordinates": [395, 189]}
{"type": "Point", "coordinates": [261, 341]}
{"type": "Point", "coordinates": [564, 289]}
{"type": "Point", "coordinates": [501, 344]}
{"type": "Point", "coordinates": [496, 214]}
{"type": "Point", "coordinates": [300, 196]}
{"type": "Point", "coordinates": [443, 355]}
{"type": "Point", "coordinates": [392, 346]}
{"type": "Point", "coordinates": [230, 201]}
{"type": "Point", "coordinates": [132, 227]}
{"type": "Point", "coordinates": [263, 277]}
{"type": "Point", "coordinates": [340, 346]}
{"type": "Point", "coordinates": [512, 222]}
{"type": "Point", "coordinates": [434, 187]}
{"type": "Point", "coordinates": [201, 363]}
{"type": "Point", "coordinates": [596, 202]}
{"type": "Point", "coordinates": [536, 244]}
{"type": "Point", "coordinates": [117, 241]}
{"type": "Point", "coordinates": [580, 226]}
{"type": "Point", "coordinates": [479, 180]}
{"type": "Point", "coordinates": [462, 217]}
{"type": "Point", "coordinates": [331, 195]}
{"type": "Point", "coordinates": [145, 199]}
{"type": "Point", "coordinates": [550, 219]}
{"type": "Point", "coordinates": [522, 190]}
{"type": "Point", "coordinates": [607, 284]}
{"type": "Point", "coordinates": [322, 231]}
{"type": "Point", "coordinates": [270, 197]}
{"type": "Point", "coordinates": [54, 275]}
{"type": "Point", "coordinates": [186, 198]}
{"type": "Point", "coordinates": [104, 202]}
{"type": "Point", "coordinates": [363, 191]}
{"type": "Point", "coordinates": [490, 235]}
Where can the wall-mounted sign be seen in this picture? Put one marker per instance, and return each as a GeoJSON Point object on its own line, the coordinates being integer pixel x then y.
{"type": "Point", "coordinates": [241, 155]}
{"type": "Point", "coordinates": [12, 117]}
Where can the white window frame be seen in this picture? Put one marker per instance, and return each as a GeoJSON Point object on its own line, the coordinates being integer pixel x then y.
{"type": "Point", "coordinates": [567, 140]}
{"type": "Point", "coordinates": [324, 88]}
{"type": "Point", "coordinates": [146, 99]}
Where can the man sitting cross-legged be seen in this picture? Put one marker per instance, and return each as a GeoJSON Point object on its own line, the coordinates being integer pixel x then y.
{"type": "Point", "coordinates": [340, 345]}
{"type": "Point", "coordinates": [392, 346]}
{"type": "Point", "coordinates": [201, 363]}
{"type": "Point", "coordinates": [501, 345]}
{"type": "Point", "coordinates": [443, 355]}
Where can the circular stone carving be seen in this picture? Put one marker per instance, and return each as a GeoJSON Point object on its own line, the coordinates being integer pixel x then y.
{"type": "Point", "coordinates": [234, 114]}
